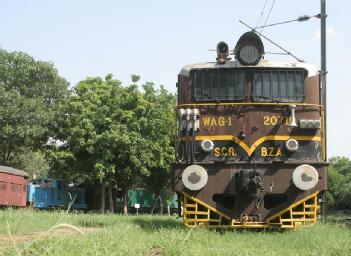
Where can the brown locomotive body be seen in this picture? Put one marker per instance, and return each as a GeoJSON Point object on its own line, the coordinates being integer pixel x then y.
{"type": "Point", "coordinates": [251, 146]}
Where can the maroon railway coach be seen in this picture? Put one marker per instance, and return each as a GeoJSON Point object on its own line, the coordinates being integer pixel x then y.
{"type": "Point", "coordinates": [251, 141]}
{"type": "Point", "coordinates": [13, 187]}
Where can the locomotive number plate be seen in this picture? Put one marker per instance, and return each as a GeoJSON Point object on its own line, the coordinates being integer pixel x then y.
{"type": "Point", "coordinates": [274, 120]}
{"type": "Point", "coordinates": [208, 121]}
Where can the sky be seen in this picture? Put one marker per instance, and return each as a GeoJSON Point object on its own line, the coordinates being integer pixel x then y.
{"type": "Point", "coordinates": [155, 39]}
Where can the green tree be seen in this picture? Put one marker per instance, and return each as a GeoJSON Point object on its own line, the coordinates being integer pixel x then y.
{"type": "Point", "coordinates": [89, 125]}
{"type": "Point", "coordinates": [116, 134]}
{"type": "Point", "coordinates": [334, 181]}
{"type": "Point", "coordinates": [160, 133]}
{"type": "Point", "coordinates": [339, 183]}
{"type": "Point", "coordinates": [34, 163]}
{"type": "Point", "coordinates": [345, 193]}
{"type": "Point", "coordinates": [150, 149]}
{"type": "Point", "coordinates": [62, 164]}
{"type": "Point", "coordinates": [30, 93]}
{"type": "Point", "coordinates": [341, 164]}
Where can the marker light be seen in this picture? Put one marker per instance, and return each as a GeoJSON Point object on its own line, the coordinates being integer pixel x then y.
{"type": "Point", "coordinates": [249, 49]}
{"type": "Point", "coordinates": [181, 112]}
{"type": "Point", "coordinates": [188, 112]}
{"type": "Point", "coordinates": [195, 112]}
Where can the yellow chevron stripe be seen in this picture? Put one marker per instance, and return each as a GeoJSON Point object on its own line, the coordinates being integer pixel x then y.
{"type": "Point", "coordinates": [250, 150]}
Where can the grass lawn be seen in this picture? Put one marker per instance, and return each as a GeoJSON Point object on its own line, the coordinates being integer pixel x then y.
{"type": "Point", "coordinates": [28, 232]}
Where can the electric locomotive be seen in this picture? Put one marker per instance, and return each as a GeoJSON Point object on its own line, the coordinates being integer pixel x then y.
{"type": "Point", "coordinates": [251, 141]}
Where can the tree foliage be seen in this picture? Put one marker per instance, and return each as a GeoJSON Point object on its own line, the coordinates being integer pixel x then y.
{"type": "Point", "coordinates": [116, 133]}
{"type": "Point", "coordinates": [160, 133]}
{"type": "Point", "coordinates": [34, 163]}
{"type": "Point", "coordinates": [30, 93]}
{"type": "Point", "coordinates": [339, 183]}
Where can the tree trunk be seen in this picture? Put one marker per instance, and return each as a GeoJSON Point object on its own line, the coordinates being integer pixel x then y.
{"type": "Point", "coordinates": [125, 201]}
{"type": "Point", "coordinates": [102, 203]}
{"type": "Point", "coordinates": [179, 201]}
{"type": "Point", "coordinates": [3, 157]}
{"type": "Point", "coordinates": [161, 204]}
{"type": "Point", "coordinates": [323, 208]}
{"type": "Point", "coordinates": [154, 204]}
{"type": "Point", "coordinates": [95, 194]}
{"type": "Point", "coordinates": [8, 154]}
{"type": "Point", "coordinates": [110, 197]}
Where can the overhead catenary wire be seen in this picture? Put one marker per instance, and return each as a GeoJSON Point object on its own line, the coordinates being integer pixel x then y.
{"type": "Point", "coordinates": [269, 40]}
{"type": "Point", "coordinates": [269, 13]}
{"type": "Point", "coordinates": [277, 53]}
{"type": "Point", "coordinates": [261, 14]}
{"type": "Point", "coordinates": [299, 19]}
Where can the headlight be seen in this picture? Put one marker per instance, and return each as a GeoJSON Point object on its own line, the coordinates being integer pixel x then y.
{"type": "Point", "coordinates": [207, 145]}
{"type": "Point", "coordinates": [305, 177]}
{"type": "Point", "coordinates": [194, 177]}
{"type": "Point", "coordinates": [291, 145]}
{"type": "Point", "coordinates": [249, 49]}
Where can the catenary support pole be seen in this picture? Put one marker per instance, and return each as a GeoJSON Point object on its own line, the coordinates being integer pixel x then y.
{"type": "Point", "coordinates": [323, 88]}
{"type": "Point", "coordinates": [323, 59]}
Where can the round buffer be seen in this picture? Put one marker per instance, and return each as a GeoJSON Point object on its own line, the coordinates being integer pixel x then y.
{"type": "Point", "coordinates": [305, 177]}
{"type": "Point", "coordinates": [194, 177]}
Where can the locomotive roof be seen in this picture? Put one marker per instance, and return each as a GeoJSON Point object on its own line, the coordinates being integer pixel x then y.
{"type": "Point", "coordinates": [311, 69]}
{"type": "Point", "coordinates": [13, 171]}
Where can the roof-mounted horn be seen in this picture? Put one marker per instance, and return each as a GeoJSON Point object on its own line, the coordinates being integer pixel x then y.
{"type": "Point", "coordinates": [222, 52]}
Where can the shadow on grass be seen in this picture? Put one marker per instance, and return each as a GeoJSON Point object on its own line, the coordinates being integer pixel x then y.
{"type": "Point", "coordinates": [338, 220]}
{"type": "Point", "coordinates": [251, 230]}
{"type": "Point", "coordinates": [151, 225]}
{"type": "Point", "coordinates": [93, 224]}
{"type": "Point", "coordinates": [154, 224]}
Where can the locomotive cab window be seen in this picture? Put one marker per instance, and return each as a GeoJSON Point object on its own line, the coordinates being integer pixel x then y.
{"type": "Point", "coordinates": [218, 84]}
{"type": "Point", "coordinates": [283, 85]}
{"type": "Point", "coordinates": [278, 85]}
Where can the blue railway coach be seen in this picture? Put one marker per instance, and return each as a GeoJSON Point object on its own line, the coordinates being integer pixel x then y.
{"type": "Point", "coordinates": [51, 193]}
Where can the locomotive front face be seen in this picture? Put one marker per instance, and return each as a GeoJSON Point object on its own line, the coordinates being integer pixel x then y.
{"type": "Point", "coordinates": [251, 149]}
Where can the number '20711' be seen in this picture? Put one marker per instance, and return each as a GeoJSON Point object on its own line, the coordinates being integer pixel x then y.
{"type": "Point", "coordinates": [274, 120]}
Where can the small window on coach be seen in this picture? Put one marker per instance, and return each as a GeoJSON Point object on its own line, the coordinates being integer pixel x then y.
{"type": "Point", "coordinates": [3, 185]}
{"type": "Point", "coordinates": [278, 85]}
{"type": "Point", "coordinates": [218, 84]}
